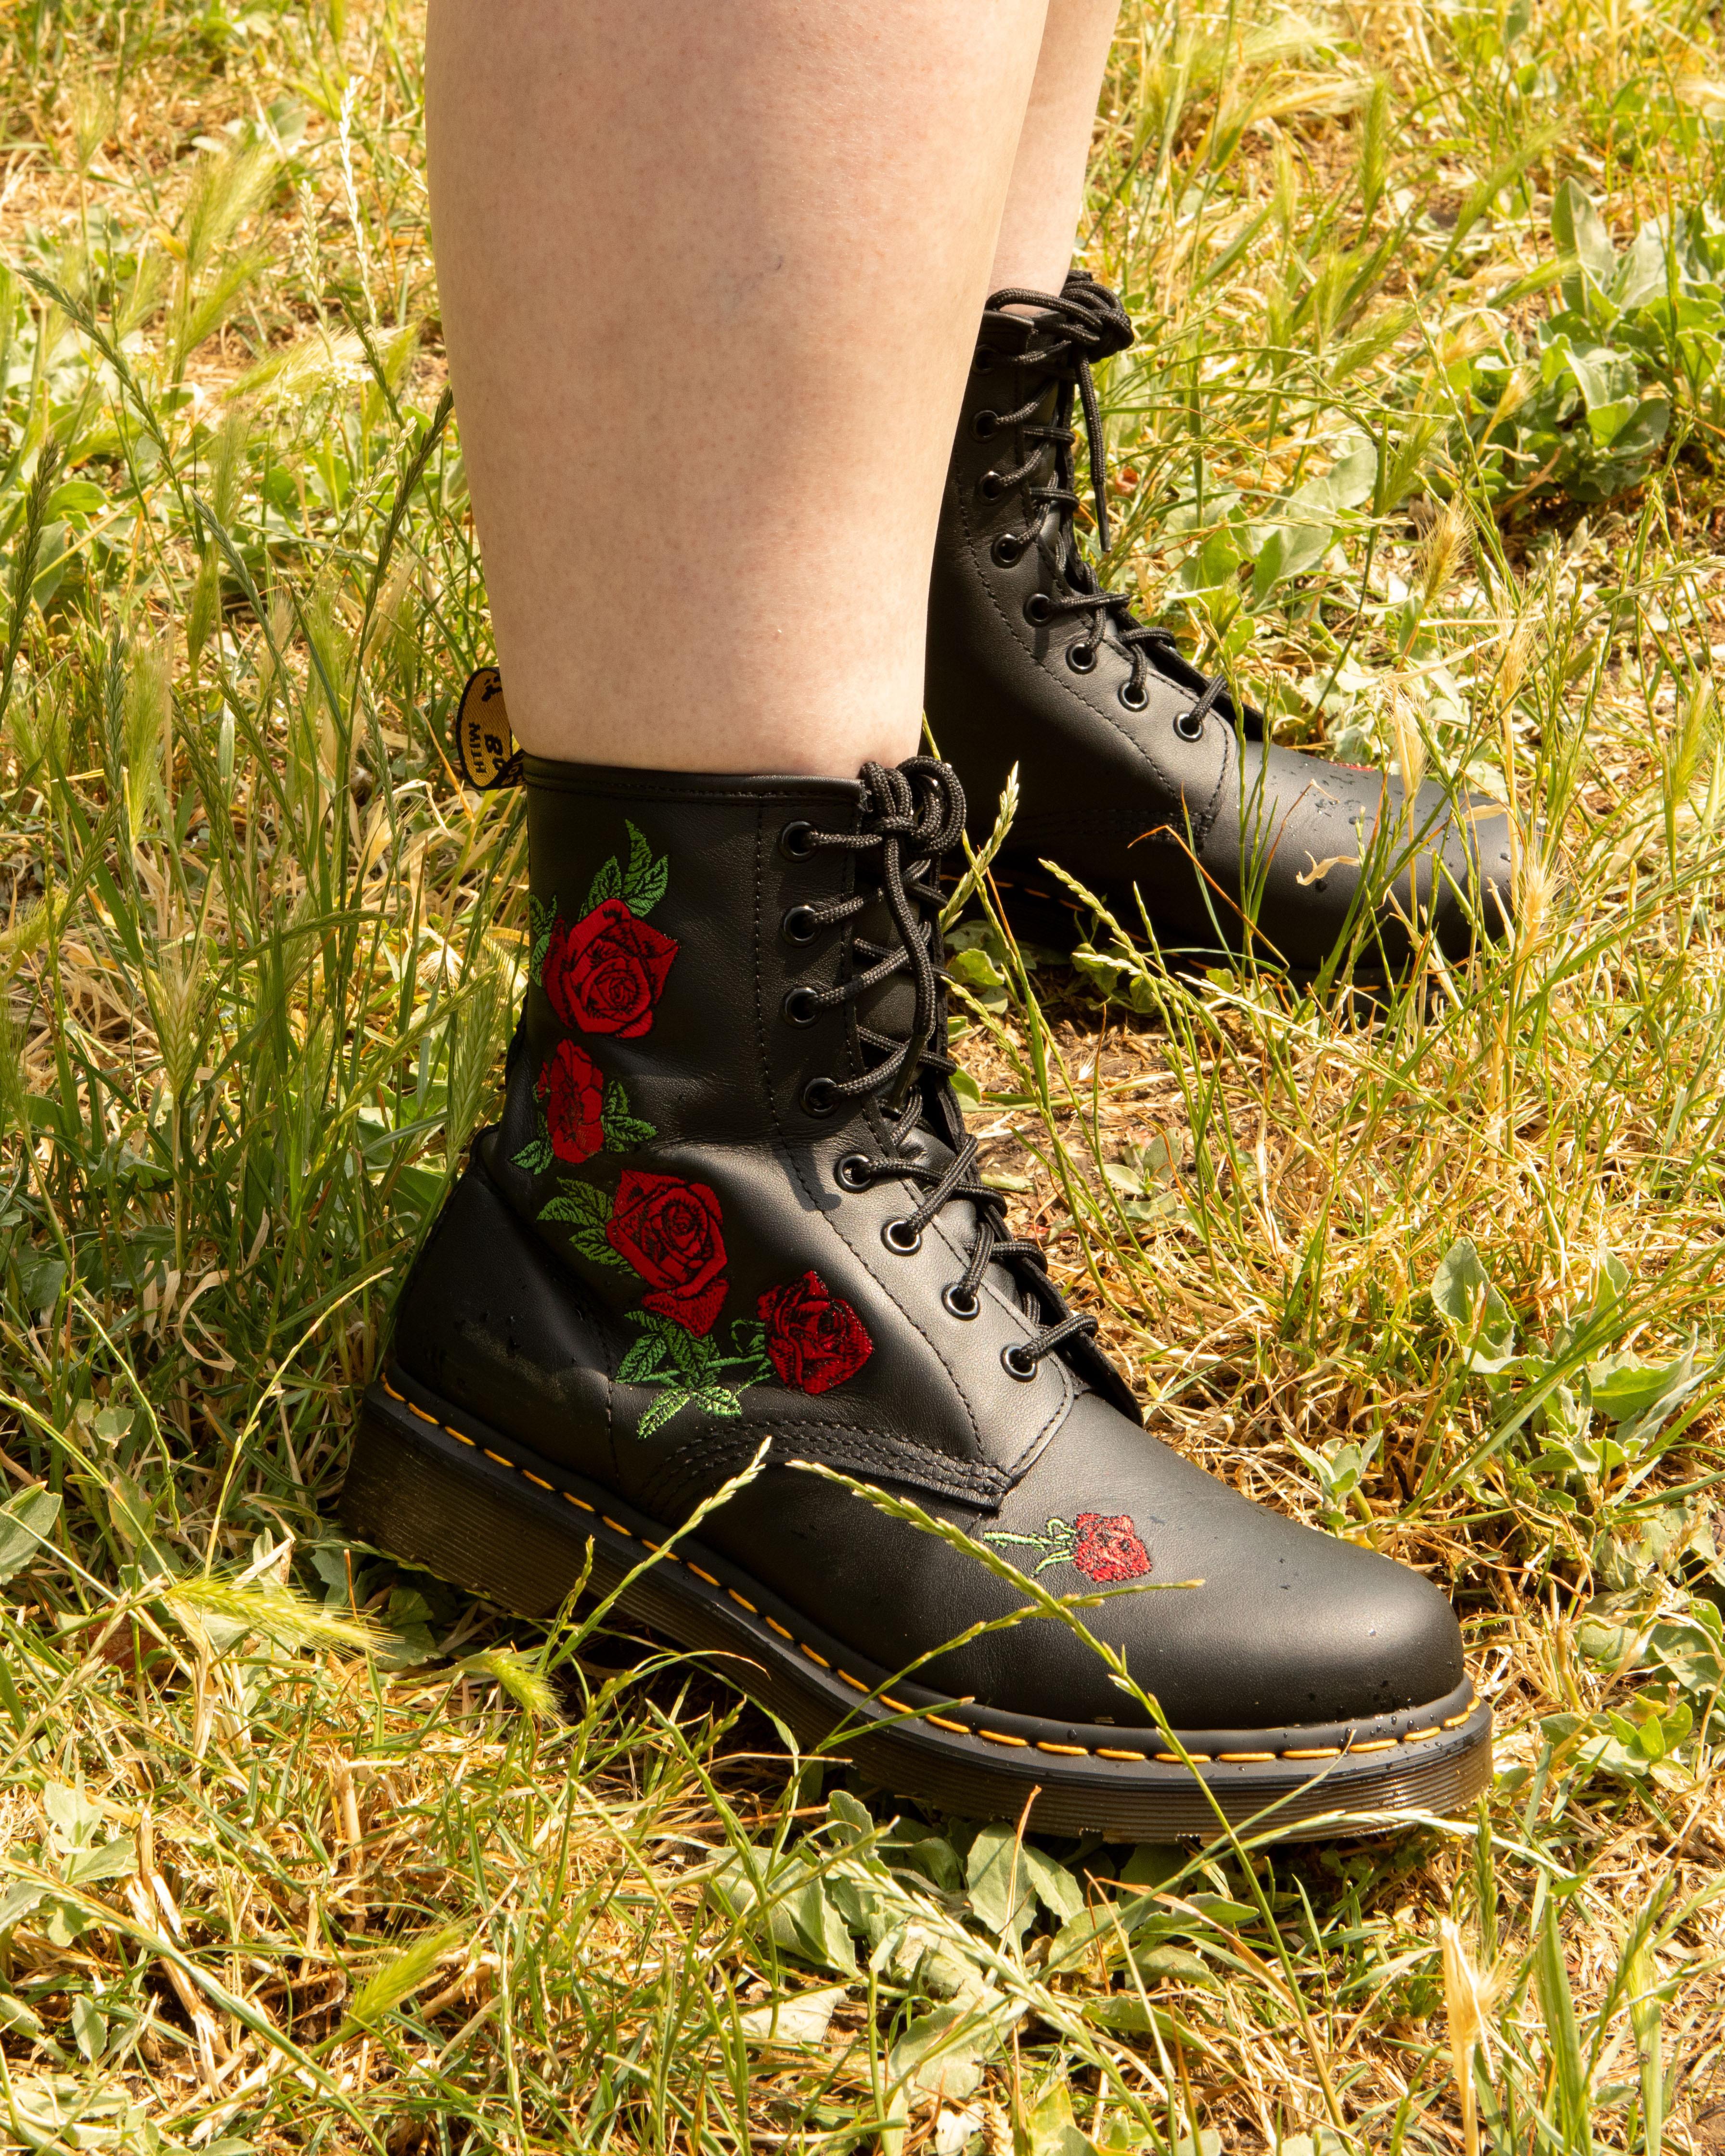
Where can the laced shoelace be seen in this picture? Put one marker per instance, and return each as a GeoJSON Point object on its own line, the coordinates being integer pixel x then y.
{"type": "Point", "coordinates": [915, 816]}
{"type": "Point", "coordinates": [1084, 324]}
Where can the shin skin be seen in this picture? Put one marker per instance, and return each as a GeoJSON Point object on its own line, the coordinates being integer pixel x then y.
{"type": "Point", "coordinates": [710, 271]}
{"type": "Point", "coordinates": [1046, 196]}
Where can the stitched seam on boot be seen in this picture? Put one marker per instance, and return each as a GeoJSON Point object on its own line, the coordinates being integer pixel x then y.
{"type": "Point", "coordinates": [669, 1557]}
{"type": "Point", "coordinates": [1033, 1445]}
{"type": "Point", "coordinates": [898, 1459]}
{"type": "Point", "coordinates": [666, 789]}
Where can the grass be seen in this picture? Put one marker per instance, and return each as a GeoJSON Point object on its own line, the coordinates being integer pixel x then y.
{"type": "Point", "coordinates": [299, 1852]}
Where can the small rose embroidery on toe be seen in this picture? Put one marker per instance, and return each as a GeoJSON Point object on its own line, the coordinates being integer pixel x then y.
{"type": "Point", "coordinates": [1105, 1547]}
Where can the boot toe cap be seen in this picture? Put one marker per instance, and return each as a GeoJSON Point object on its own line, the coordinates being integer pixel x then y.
{"type": "Point", "coordinates": [1467, 886]}
{"type": "Point", "coordinates": [1288, 1627]}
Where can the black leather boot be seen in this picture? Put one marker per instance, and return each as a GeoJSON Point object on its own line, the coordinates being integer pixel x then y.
{"type": "Point", "coordinates": [1132, 768]}
{"type": "Point", "coordinates": [731, 1205]}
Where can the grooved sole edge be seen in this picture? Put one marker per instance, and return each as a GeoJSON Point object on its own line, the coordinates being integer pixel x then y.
{"type": "Point", "coordinates": [443, 1501]}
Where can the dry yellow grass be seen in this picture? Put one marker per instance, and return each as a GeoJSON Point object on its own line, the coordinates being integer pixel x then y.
{"type": "Point", "coordinates": [267, 1883]}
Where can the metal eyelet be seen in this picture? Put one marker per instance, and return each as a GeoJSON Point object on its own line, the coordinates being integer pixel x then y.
{"type": "Point", "coordinates": [991, 486]}
{"type": "Point", "coordinates": [1081, 657]}
{"type": "Point", "coordinates": [1133, 703]}
{"type": "Point", "coordinates": [796, 841]}
{"type": "Point", "coordinates": [801, 925]}
{"type": "Point", "coordinates": [850, 1173]}
{"type": "Point", "coordinates": [984, 363]}
{"type": "Point", "coordinates": [1189, 727]}
{"type": "Point", "coordinates": [821, 1097]}
{"type": "Point", "coordinates": [903, 1238]}
{"type": "Point", "coordinates": [961, 1302]}
{"type": "Point", "coordinates": [801, 1005]}
{"type": "Point", "coordinates": [985, 425]}
{"type": "Point", "coordinates": [1008, 550]}
{"type": "Point", "coordinates": [1018, 1363]}
{"type": "Point", "coordinates": [1038, 607]}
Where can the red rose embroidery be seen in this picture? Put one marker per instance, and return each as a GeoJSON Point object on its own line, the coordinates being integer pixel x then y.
{"type": "Point", "coordinates": [572, 1094]}
{"type": "Point", "coordinates": [668, 1230]}
{"type": "Point", "coordinates": [814, 1338]}
{"type": "Point", "coordinates": [1108, 1548]}
{"type": "Point", "coordinates": [604, 974]}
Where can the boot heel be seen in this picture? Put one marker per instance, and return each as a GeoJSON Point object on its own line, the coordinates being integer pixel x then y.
{"type": "Point", "coordinates": [463, 1518]}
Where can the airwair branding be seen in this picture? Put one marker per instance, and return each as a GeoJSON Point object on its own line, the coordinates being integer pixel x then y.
{"type": "Point", "coordinates": [484, 745]}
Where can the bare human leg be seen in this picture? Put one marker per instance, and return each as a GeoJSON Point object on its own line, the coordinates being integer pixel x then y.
{"type": "Point", "coordinates": [1046, 195]}
{"type": "Point", "coordinates": [709, 274]}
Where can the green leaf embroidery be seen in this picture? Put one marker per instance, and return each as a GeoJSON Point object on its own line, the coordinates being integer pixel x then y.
{"type": "Point", "coordinates": [607, 884]}
{"type": "Point", "coordinates": [586, 1211]}
{"type": "Point", "coordinates": [541, 919]}
{"type": "Point", "coordinates": [719, 1400]}
{"type": "Point", "coordinates": [578, 1202]}
{"type": "Point", "coordinates": [1057, 1545]}
{"type": "Point", "coordinates": [691, 1369]}
{"type": "Point", "coordinates": [534, 1157]}
{"type": "Point", "coordinates": [623, 1131]}
{"type": "Point", "coordinates": [645, 879]}
{"type": "Point", "coordinates": [694, 1355]}
{"type": "Point", "coordinates": [669, 1402]}
{"type": "Point", "coordinates": [641, 1364]}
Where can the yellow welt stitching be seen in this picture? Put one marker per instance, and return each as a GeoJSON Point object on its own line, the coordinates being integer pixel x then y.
{"type": "Point", "coordinates": [645, 1544]}
{"type": "Point", "coordinates": [1316, 1752]}
{"type": "Point", "coordinates": [742, 1602]}
{"type": "Point", "coordinates": [581, 1501]}
{"type": "Point", "coordinates": [539, 1479]}
{"type": "Point", "coordinates": [501, 1458]}
{"type": "Point", "coordinates": [1418, 1736]}
{"type": "Point", "coordinates": [391, 1392]}
{"type": "Point", "coordinates": [1102, 1754]}
{"type": "Point", "coordinates": [772, 1625]}
{"type": "Point", "coordinates": [472, 1444]}
{"type": "Point", "coordinates": [1000, 1737]}
{"type": "Point", "coordinates": [1066, 1751]}
{"type": "Point", "coordinates": [616, 1526]}
{"type": "Point", "coordinates": [422, 1414]}
{"type": "Point", "coordinates": [698, 1573]}
{"type": "Point", "coordinates": [1377, 1744]}
{"type": "Point", "coordinates": [814, 1657]}
{"type": "Point", "coordinates": [1455, 1721]}
{"type": "Point", "coordinates": [941, 1722]}
{"type": "Point", "coordinates": [896, 1706]}
{"type": "Point", "coordinates": [1239, 1756]}
{"type": "Point", "coordinates": [856, 1684]}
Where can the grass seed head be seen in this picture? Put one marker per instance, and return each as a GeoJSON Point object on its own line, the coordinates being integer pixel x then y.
{"type": "Point", "coordinates": [1445, 549]}
{"type": "Point", "coordinates": [148, 705]}
{"type": "Point", "coordinates": [1409, 743]}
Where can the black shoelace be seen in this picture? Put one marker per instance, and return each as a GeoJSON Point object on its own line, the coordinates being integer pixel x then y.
{"type": "Point", "coordinates": [1084, 324]}
{"type": "Point", "coordinates": [915, 816]}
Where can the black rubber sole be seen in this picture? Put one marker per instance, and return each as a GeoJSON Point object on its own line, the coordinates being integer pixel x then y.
{"type": "Point", "coordinates": [437, 1490]}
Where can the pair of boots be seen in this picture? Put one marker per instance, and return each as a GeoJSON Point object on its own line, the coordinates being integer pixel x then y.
{"type": "Point", "coordinates": [731, 1219]}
